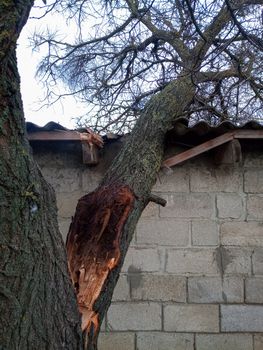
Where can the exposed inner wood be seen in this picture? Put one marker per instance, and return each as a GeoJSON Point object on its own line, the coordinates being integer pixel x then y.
{"type": "Point", "coordinates": [93, 244]}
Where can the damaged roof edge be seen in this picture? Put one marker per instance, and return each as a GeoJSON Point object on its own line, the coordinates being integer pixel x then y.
{"type": "Point", "coordinates": [55, 132]}
{"type": "Point", "coordinates": [180, 127]}
{"type": "Point", "coordinates": [200, 137]}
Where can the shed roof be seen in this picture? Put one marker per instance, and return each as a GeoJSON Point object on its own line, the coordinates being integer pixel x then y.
{"type": "Point", "coordinates": [199, 137]}
{"type": "Point", "coordinates": [180, 130]}
{"type": "Point", "coordinates": [202, 131]}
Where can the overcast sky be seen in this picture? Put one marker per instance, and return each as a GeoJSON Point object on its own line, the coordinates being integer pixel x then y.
{"type": "Point", "coordinates": [33, 91]}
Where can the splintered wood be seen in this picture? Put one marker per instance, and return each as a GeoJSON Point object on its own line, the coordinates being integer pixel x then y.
{"type": "Point", "coordinates": [91, 143]}
{"type": "Point", "coordinates": [93, 244]}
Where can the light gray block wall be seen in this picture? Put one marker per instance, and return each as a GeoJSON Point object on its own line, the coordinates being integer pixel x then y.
{"type": "Point", "coordinates": [193, 276]}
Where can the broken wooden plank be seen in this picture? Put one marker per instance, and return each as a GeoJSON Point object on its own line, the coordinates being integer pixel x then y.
{"type": "Point", "coordinates": [91, 142]}
{"type": "Point", "coordinates": [206, 146]}
{"type": "Point", "coordinates": [90, 154]}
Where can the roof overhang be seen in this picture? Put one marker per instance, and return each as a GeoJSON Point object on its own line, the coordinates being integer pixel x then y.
{"type": "Point", "coordinates": [213, 143]}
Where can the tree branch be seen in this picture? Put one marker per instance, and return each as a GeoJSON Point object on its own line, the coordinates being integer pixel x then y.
{"type": "Point", "coordinates": [156, 199]}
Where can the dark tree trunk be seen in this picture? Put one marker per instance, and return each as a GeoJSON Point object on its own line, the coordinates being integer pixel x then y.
{"type": "Point", "coordinates": [106, 218]}
{"type": "Point", "coordinates": [37, 303]}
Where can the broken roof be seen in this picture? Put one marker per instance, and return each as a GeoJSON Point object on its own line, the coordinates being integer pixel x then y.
{"type": "Point", "coordinates": [199, 138]}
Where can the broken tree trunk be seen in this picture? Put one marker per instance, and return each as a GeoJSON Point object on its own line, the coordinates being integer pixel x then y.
{"type": "Point", "coordinates": [105, 219]}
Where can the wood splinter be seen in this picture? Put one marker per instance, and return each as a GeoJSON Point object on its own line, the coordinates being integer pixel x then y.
{"type": "Point", "coordinates": [157, 199]}
{"type": "Point", "coordinates": [93, 246]}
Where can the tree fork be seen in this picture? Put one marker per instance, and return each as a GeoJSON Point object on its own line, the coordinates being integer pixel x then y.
{"type": "Point", "coordinates": [105, 219]}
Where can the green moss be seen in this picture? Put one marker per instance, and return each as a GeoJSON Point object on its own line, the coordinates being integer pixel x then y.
{"type": "Point", "coordinates": [30, 193]}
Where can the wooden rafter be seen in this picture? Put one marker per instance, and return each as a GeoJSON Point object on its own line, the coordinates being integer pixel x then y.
{"type": "Point", "coordinates": [181, 157]}
{"type": "Point", "coordinates": [54, 136]}
{"type": "Point", "coordinates": [206, 146]}
{"type": "Point", "coordinates": [248, 134]}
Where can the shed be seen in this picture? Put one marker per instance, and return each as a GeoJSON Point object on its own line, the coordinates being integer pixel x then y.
{"type": "Point", "coordinates": [193, 276]}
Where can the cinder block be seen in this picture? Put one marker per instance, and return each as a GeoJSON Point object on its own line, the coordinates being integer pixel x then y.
{"type": "Point", "coordinates": [192, 261]}
{"type": "Point", "coordinates": [164, 341]}
{"type": "Point", "coordinates": [257, 261]}
{"type": "Point", "coordinates": [255, 207]}
{"type": "Point", "coordinates": [242, 318]}
{"type": "Point", "coordinates": [116, 341]}
{"type": "Point", "coordinates": [224, 342]}
{"type": "Point", "coordinates": [144, 259]}
{"type": "Point", "coordinates": [235, 260]}
{"type": "Point", "coordinates": [176, 181]}
{"type": "Point", "coordinates": [150, 211]}
{"type": "Point", "coordinates": [253, 159]}
{"type": "Point", "coordinates": [191, 318]}
{"type": "Point", "coordinates": [254, 290]}
{"type": "Point", "coordinates": [47, 158]}
{"type": "Point", "coordinates": [63, 179]}
{"type": "Point", "coordinates": [160, 287]}
{"type": "Point", "coordinates": [163, 232]}
{"type": "Point", "coordinates": [193, 205]}
{"type": "Point", "coordinates": [233, 289]}
{"type": "Point", "coordinates": [204, 233]}
{"type": "Point", "coordinates": [134, 316]}
{"type": "Point", "coordinates": [253, 180]}
{"type": "Point", "coordinates": [244, 233]}
{"type": "Point", "coordinates": [229, 205]}
{"type": "Point", "coordinates": [215, 290]}
{"type": "Point", "coordinates": [219, 179]}
{"type": "Point", "coordinates": [122, 289]}
{"type": "Point", "coordinates": [258, 342]}
{"type": "Point", "coordinates": [67, 202]}
{"type": "Point", "coordinates": [90, 179]}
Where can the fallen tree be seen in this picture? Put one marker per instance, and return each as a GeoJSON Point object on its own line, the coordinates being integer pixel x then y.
{"type": "Point", "coordinates": [38, 308]}
{"type": "Point", "coordinates": [105, 219]}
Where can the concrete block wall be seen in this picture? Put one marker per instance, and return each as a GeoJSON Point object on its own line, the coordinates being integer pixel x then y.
{"type": "Point", "coordinates": [193, 276]}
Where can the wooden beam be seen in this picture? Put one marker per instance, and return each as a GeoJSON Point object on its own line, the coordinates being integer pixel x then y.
{"type": "Point", "coordinates": [228, 153]}
{"type": "Point", "coordinates": [248, 134]}
{"type": "Point", "coordinates": [90, 154]}
{"type": "Point", "coordinates": [54, 136]}
{"type": "Point", "coordinates": [206, 146]}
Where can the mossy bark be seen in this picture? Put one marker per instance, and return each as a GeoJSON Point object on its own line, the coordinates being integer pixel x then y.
{"type": "Point", "coordinates": [37, 303]}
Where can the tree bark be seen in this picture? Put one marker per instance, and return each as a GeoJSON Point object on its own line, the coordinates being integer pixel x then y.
{"type": "Point", "coordinates": [37, 303]}
{"type": "Point", "coordinates": [107, 217]}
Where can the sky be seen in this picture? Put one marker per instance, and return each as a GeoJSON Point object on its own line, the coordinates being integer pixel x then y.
{"type": "Point", "coordinates": [32, 90]}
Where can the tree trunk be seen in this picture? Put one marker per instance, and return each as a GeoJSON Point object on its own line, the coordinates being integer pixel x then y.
{"type": "Point", "coordinates": [105, 219]}
{"type": "Point", "coordinates": [37, 303]}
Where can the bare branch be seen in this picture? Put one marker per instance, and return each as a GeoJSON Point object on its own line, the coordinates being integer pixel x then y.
{"type": "Point", "coordinates": [137, 48]}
